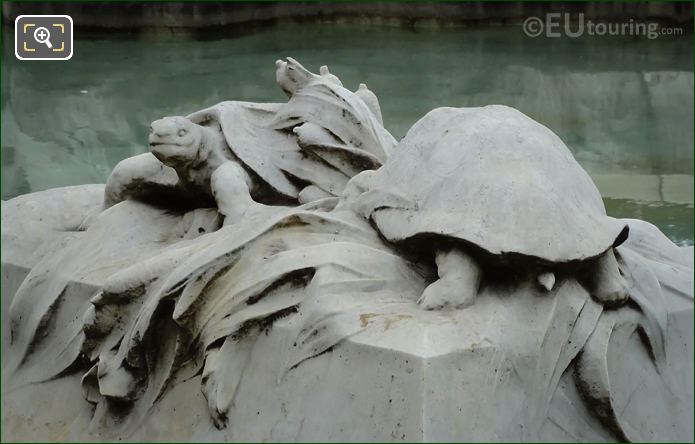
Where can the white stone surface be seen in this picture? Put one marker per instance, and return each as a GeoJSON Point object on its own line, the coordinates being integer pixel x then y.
{"type": "Point", "coordinates": [395, 372]}
{"type": "Point", "coordinates": [157, 321]}
{"type": "Point", "coordinates": [491, 176]}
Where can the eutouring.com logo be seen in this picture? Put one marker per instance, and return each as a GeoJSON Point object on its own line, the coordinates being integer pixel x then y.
{"type": "Point", "coordinates": [575, 25]}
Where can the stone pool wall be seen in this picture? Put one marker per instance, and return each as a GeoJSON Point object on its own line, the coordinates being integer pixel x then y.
{"type": "Point", "coordinates": [134, 15]}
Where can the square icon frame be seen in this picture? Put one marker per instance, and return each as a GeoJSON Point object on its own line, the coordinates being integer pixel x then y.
{"type": "Point", "coordinates": [16, 29]}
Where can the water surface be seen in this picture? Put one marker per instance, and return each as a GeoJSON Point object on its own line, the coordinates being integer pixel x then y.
{"type": "Point", "coordinates": [624, 106]}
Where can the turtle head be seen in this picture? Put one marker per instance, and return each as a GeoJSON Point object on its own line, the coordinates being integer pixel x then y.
{"type": "Point", "coordinates": [290, 75]}
{"type": "Point", "coordinates": [175, 141]}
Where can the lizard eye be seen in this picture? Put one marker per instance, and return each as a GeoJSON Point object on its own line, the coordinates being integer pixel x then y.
{"type": "Point", "coordinates": [182, 132]}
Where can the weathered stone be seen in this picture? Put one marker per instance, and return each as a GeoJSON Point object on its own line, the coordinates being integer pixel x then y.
{"type": "Point", "coordinates": [150, 320]}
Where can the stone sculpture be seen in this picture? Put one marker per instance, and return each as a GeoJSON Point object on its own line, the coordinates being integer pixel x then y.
{"type": "Point", "coordinates": [289, 272]}
{"type": "Point", "coordinates": [490, 184]}
{"type": "Point", "coordinates": [301, 151]}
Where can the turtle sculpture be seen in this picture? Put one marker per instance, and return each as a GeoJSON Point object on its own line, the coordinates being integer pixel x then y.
{"type": "Point", "coordinates": [205, 166]}
{"type": "Point", "coordinates": [192, 164]}
{"type": "Point", "coordinates": [338, 126]}
{"type": "Point", "coordinates": [491, 189]}
{"type": "Point", "coordinates": [234, 154]}
{"type": "Point", "coordinates": [226, 156]}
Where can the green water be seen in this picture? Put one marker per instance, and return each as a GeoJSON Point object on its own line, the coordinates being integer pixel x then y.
{"type": "Point", "coordinates": [623, 105]}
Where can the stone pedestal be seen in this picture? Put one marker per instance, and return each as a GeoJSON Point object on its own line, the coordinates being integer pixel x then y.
{"type": "Point", "coordinates": [503, 369]}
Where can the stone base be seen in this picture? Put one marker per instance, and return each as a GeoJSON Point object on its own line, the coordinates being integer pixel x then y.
{"type": "Point", "coordinates": [493, 372]}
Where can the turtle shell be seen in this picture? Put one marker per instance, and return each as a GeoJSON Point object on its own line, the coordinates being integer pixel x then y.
{"type": "Point", "coordinates": [494, 178]}
{"type": "Point", "coordinates": [272, 155]}
{"type": "Point", "coordinates": [260, 149]}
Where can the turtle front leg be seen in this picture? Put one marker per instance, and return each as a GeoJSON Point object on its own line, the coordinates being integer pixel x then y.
{"type": "Point", "coordinates": [230, 185]}
{"type": "Point", "coordinates": [141, 177]}
{"type": "Point", "coordinates": [605, 282]}
{"type": "Point", "coordinates": [457, 286]}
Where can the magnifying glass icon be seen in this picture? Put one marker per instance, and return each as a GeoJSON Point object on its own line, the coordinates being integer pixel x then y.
{"type": "Point", "coordinates": [42, 35]}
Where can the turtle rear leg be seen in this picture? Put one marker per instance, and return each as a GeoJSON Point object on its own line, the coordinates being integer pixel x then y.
{"type": "Point", "coordinates": [457, 286]}
{"type": "Point", "coordinates": [230, 185]}
{"type": "Point", "coordinates": [605, 282]}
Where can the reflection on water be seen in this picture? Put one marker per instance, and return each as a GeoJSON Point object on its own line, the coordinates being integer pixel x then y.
{"type": "Point", "coordinates": [623, 105]}
{"type": "Point", "coordinates": [669, 217]}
